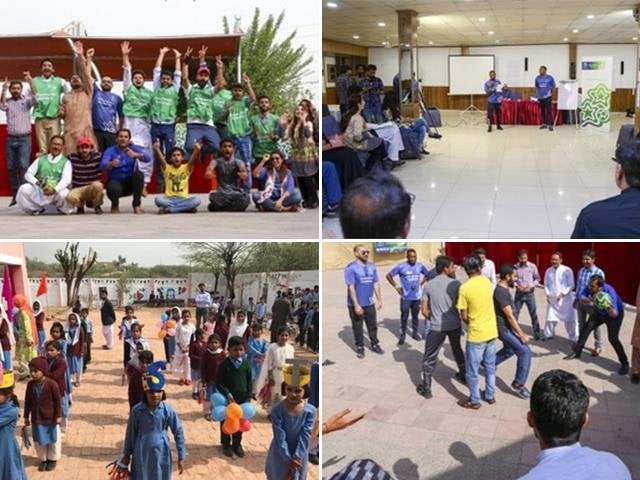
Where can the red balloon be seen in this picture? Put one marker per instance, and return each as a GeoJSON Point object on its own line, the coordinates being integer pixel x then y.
{"type": "Point", "coordinates": [245, 425]}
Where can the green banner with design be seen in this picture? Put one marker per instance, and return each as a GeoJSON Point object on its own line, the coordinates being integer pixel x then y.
{"type": "Point", "coordinates": [597, 82]}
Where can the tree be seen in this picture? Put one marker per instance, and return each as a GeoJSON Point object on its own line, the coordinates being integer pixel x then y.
{"type": "Point", "coordinates": [284, 257]}
{"type": "Point", "coordinates": [122, 289]}
{"type": "Point", "coordinates": [275, 68]}
{"type": "Point", "coordinates": [74, 271]}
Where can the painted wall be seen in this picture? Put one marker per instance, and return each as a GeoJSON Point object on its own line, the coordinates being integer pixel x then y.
{"type": "Point", "coordinates": [336, 255]}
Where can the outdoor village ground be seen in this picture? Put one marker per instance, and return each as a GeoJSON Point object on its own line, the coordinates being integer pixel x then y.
{"type": "Point", "coordinates": [413, 438]}
{"type": "Point", "coordinates": [99, 413]}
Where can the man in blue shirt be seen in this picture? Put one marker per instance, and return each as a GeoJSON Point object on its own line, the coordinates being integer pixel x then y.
{"type": "Point", "coordinates": [410, 291]}
{"type": "Point", "coordinates": [609, 311]}
{"type": "Point", "coordinates": [124, 179]}
{"type": "Point", "coordinates": [343, 83]}
{"type": "Point", "coordinates": [494, 99]}
{"type": "Point", "coordinates": [588, 270]}
{"type": "Point", "coordinates": [372, 88]}
{"type": "Point", "coordinates": [363, 296]}
{"type": "Point", "coordinates": [545, 85]}
{"type": "Point", "coordinates": [558, 410]}
{"type": "Point", "coordinates": [618, 216]}
{"type": "Point", "coordinates": [106, 113]}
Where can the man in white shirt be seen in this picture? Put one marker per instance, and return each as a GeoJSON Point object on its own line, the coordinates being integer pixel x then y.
{"type": "Point", "coordinates": [558, 286]}
{"type": "Point", "coordinates": [203, 304]}
{"type": "Point", "coordinates": [558, 412]}
{"type": "Point", "coordinates": [488, 267]}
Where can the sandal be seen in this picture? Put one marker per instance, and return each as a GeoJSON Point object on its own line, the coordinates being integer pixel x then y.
{"type": "Point", "coordinates": [466, 403]}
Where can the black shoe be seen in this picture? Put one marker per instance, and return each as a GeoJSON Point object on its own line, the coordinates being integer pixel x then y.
{"type": "Point", "coordinates": [551, 129]}
{"type": "Point", "coordinates": [401, 339]}
{"type": "Point", "coordinates": [13, 202]}
{"type": "Point", "coordinates": [435, 135]}
{"type": "Point", "coordinates": [543, 127]}
{"type": "Point", "coordinates": [239, 451]}
{"type": "Point", "coordinates": [397, 164]}
{"type": "Point", "coordinates": [80, 210]}
{"type": "Point", "coordinates": [461, 377]}
{"type": "Point", "coordinates": [360, 352]}
{"type": "Point", "coordinates": [42, 466]}
{"type": "Point", "coordinates": [424, 152]}
{"type": "Point", "coordinates": [624, 369]}
{"type": "Point", "coordinates": [635, 378]}
{"type": "Point", "coordinates": [194, 395]}
{"type": "Point", "coordinates": [416, 336]}
{"type": "Point", "coordinates": [536, 336]}
{"type": "Point", "coordinates": [571, 356]}
{"type": "Point", "coordinates": [314, 459]}
{"type": "Point", "coordinates": [377, 349]}
{"type": "Point", "coordinates": [424, 391]}
{"type": "Point", "coordinates": [51, 465]}
{"type": "Point", "coordinates": [489, 129]}
{"type": "Point", "coordinates": [211, 208]}
{"type": "Point", "coordinates": [227, 451]}
{"type": "Point", "coordinates": [500, 127]}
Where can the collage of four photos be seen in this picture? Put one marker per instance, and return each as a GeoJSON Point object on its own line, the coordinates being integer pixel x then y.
{"type": "Point", "coordinates": [342, 240]}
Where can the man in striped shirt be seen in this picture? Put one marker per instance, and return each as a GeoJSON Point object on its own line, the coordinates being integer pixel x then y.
{"type": "Point", "coordinates": [588, 270]}
{"type": "Point", "coordinates": [87, 187]}
{"type": "Point", "coordinates": [18, 146]}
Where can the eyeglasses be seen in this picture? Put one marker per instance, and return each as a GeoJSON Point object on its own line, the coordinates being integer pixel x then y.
{"type": "Point", "coordinates": [364, 252]}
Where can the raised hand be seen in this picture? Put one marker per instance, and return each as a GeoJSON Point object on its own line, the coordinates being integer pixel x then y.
{"type": "Point", "coordinates": [176, 53]}
{"type": "Point", "coordinates": [219, 62]}
{"type": "Point", "coordinates": [188, 53]}
{"type": "Point", "coordinates": [131, 153]}
{"type": "Point", "coordinates": [78, 47]}
{"type": "Point", "coordinates": [91, 52]}
{"type": "Point", "coordinates": [125, 48]}
{"type": "Point", "coordinates": [197, 145]}
{"type": "Point", "coordinates": [203, 51]}
{"type": "Point", "coordinates": [246, 79]}
{"type": "Point", "coordinates": [6, 83]}
{"type": "Point", "coordinates": [156, 144]}
{"type": "Point", "coordinates": [164, 50]}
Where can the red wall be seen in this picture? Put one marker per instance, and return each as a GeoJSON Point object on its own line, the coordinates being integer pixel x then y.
{"type": "Point", "coordinates": [620, 261]}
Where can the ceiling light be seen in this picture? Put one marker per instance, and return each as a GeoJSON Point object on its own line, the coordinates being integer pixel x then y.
{"type": "Point", "coordinates": [565, 39]}
{"type": "Point", "coordinates": [634, 39]}
{"type": "Point", "coordinates": [332, 5]}
{"type": "Point", "coordinates": [431, 42]}
{"type": "Point", "coordinates": [356, 37]}
{"type": "Point", "coordinates": [482, 19]}
{"type": "Point", "coordinates": [497, 41]}
{"type": "Point", "coordinates": [382, 24]}
{"type": "Point", "coordinates": [591, 17]}
{"type": "Point", "coordinates": [491, 32]}
{"type": "Point", "coordinates": [575, 30]}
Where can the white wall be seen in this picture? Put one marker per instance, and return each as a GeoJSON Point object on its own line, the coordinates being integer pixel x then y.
{"type": "Point", "coordinates": [433, 65]}
{"type": "Point", "coordinates": [620, 53]}
{"type": "Point", "coordinates": [387, 61]}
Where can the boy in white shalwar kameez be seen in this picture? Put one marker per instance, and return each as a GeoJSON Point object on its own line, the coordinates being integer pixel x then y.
{"type": "Point", "coordinates": [558, 286]}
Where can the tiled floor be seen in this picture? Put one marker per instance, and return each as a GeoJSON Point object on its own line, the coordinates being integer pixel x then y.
{"type": "Point", "coordinates": [519, 183]}
{"type": "Point", "coordinates": [413, 438]}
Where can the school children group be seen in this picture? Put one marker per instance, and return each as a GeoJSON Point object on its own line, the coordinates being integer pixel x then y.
{"type": "Point", "coordinates": [84, 131]}
{"type": "Point", "coordinates": [224, 356]}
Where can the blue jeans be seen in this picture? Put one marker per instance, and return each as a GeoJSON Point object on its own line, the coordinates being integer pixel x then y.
{"type": "Point", "coordinates": [529, 299]}
{"type": "Point", "coordinates": [294, 198]}
{"type": "Point", "coordinates": [331, 189]}
{"type": "Point", "coordinates": [18, 153]}
{"type": "Point", "coordinates": [243, 151]}
{"type": "Point", "coordinates": [512, 345]}
{"type": "Point", "coordinates": [481, 353]}
{"type": "Point", "coordinates": [372, 114]}
{"type": "Point", "coordinates": [177, 204]}
{"type": "Point", "coordinates": [166, 133]}
{"type": "Point", "coordinates": [206, 134]}
{"type": "Point", "coordinates": [420, 128]}
{"type": "Point", "coordinates": [407, 306]}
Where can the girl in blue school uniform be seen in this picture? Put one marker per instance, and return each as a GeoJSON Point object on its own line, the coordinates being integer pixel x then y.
{"type": "Point", "coordinates": [75, 350]}
{"type": "Point", "coordinates": [11, 463]}
{"type": "Point", "coordinates": [146, 445]}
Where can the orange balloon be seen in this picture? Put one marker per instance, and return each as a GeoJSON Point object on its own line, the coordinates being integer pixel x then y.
{"type": "Point", "coordinates": [162, 334]}
{"type": "Point", "coordinates": [234, 411]}
{"type": "Point", "coordinates": [231, 426]}
{"type": "Point", "coordinates": [171, 324]}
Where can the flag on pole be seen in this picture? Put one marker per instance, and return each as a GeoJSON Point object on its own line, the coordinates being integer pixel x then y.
{"type": "Point", "coordinates": [7, 292]}
{"type": "Point", "coordinates": [42, 288]}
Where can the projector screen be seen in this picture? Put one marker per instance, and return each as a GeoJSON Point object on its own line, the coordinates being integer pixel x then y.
{"type": "Point", "coordinates": [467, 73]}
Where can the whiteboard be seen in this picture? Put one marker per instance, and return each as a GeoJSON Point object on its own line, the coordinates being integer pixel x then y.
{"type": "Point", "coordinates": [567, 95]}
{"type": "Point", "coordinates": [468, 73]}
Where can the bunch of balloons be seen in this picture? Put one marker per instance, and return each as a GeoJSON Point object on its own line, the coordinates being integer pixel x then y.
{"type": "Point", "coordinates": [233, 416]}
{"type": "Point", "coordinates": [166, 326]}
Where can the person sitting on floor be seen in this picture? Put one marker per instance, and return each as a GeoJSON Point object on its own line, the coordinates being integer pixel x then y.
{"type": "Point", "coordinates": [176, 196]}
{"type": "Point", "coordinates": [227, 174]}
{"type": "Point", "coordinates": [277, 188]}
{"type": "Point", "coordinates": [85, 173]}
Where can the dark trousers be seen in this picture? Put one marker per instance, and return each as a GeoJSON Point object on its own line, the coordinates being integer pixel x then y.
{"type": "Point", "coordinates": [545, 111]}
{"type": "Point", "coordinates": [314, 337]}
{"type": "Point", "coordinates": [234, 440]}
{"type": "Point", "coordinates": [123, 188]}
{"type": "Point", "coordinates": [105, 139]}
{"type": "Point", "coordinates": [166, 134]}
{"type": "Point", "coordinates": [583, 312]}
{"type": "Point", "coordinates": [249, 317]}
{"type": "Point", "coordinates": [432, 347]}
{"type": "Point", "coordinates": [343, 109]}
{"type": "Point", "coordinates": [18, 152]}
{"type": "Point", "coordinates": [613, 330]}
{"type": "Point", "coordinates": [529, 299]}
{"type": "Point", "coordinates": [202, 313]}
{"type": "Point", "coordinates": [407, 306]}
{"type": "Point", "coordinates": [491, 109]}
{"type": "Point", "coordinates": [369, 318]}
{"type": "Point", "coordinates": [308, 191]}
{"type": "Point", "coordinates": [87, 351]}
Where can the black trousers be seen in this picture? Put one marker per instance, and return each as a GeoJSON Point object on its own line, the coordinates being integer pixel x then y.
{"type": "Point", "coordinates": [491, 109]}
{"type": "Point", "coordinates": [432, 348]}
{"type": "Point", "coordinates": [105, 139]}
{"type": "Point", "coordinates": [314, 337]}
{"type": "Point", "coordinates": [234, 440]}
{"type": "Point", "coordinates": [369, 318]}
{"type": "Point", "coordinates": [202, 313]}
{"type": "Point", "coordinates": [407, 306]}
{"type": "Point", "coordinates": [308, 191]}
{"type": "Point", "coordinates": [87, 350]}
{"type": "Point", "coordinates": [545, 111]}
{"type": "Point", "coordinates": [613, 330]}
{"type": "Point", "coordinates": [123, 188]}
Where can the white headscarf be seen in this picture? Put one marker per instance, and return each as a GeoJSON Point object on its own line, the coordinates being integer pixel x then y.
{"type": "Point", "coordinates": [76, 335]}
{"type": "Point", "coordinates": [237, 329]}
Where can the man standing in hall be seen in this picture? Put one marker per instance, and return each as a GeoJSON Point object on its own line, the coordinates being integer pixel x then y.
{"type": "Point", "coordinates": [588, 270]}
{"type": "Point", "coordinates": [108, 318]}
{"type": "Point", "coordinates": [527, 280]}
{"type": "Point", "coordinates": [558, 286]}
{"type": "Point", "coordinates": [545, 85]}
{"type": "Point", "coordinates": [372, 88]}
{"type": "Point", "coordinates": [409, 291]}
{"type": "Point", "coordinates": [18, 146]}
{"type": "Point", "coordinates": [203, 304]}
{"type": "Point", "coordinates": [475, 303]}
{"type": "Point", "coordinates": [488, 267]}
{"type": "Point", "coordinates": [363, 297]}
{"type": "Point", "coordinates": [492, 88]}
{"type": "Point", "coordinates": [439, 298]}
